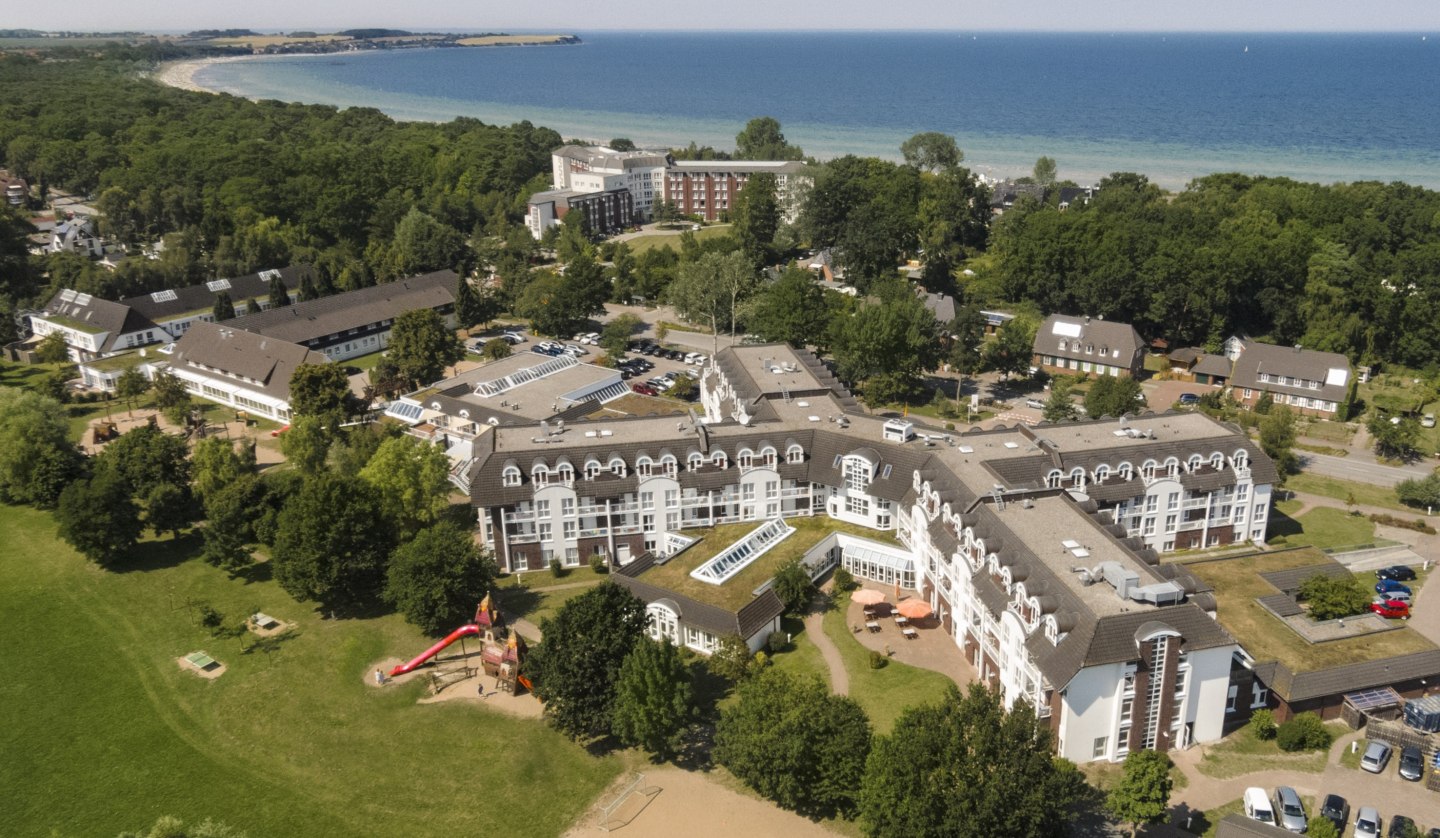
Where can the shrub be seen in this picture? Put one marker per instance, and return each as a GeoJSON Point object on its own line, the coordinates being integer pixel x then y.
{"type": "Point", "coordinates": [556, 569]}
{"type": "Point", "coordinates": [1417, 525]}
{"type": "Point", "coordinates": [1262, 724]}
{"type": "Point", "coordinates": [844, 581]}
{"type": "Point", "coordinates": [597, 564]}
{"type": "Point", "coordinates": [777, 642]}
{"type": "Point", "coordinates": [1330, 599]}
{"type": "Point", "coordinates": [1305, 732]}
{"type": "Point", "coordinates": [878, 661]}
{"type": "Point", "coordinates": [209, 617]}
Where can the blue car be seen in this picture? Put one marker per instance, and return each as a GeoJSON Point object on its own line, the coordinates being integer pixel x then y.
{"type": "Point", "coordinates": [1385, 586]}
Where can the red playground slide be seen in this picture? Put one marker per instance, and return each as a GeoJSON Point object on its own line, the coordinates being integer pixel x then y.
{"type": "Point", "coordinates": [464, 631]}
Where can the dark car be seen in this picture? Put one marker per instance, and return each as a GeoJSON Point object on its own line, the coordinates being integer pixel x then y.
{"type": "Point", "coordinates": [350, 370]}
{"type": "Point", "coordinates": [1189, 398]}
{"type": "Point", "coordinates": [1412, 765]}
{"type": "Point", "coordinates": [1336, 810]}
{"type": "Point", "coordinates": [1385, 586]}
{"type": "Point", "coordinates": [1401, 827]}
{"type": "Point", "coordinates": [1399, 572]}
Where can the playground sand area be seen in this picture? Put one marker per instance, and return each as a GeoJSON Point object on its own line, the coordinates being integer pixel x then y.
{"type": "Point", "coordinates": [209, 674]}
{"type": "Point", "coordinates": [681, 795]}
{"type": "Point", "coordinates": [478, 689]}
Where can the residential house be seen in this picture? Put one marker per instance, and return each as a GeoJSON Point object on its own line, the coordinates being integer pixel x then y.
{"type": "Point", "coordinates": [77, 235]}
{"type": "Point", "coordinates": [93, 327]}
{"type": "Point", "coordinates": [1309, 382]}
{"type": "Point", "coordinates": [1066, 345]}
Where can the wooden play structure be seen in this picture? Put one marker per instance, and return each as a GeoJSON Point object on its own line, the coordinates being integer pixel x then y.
{"type": "Point", "coordinates": [501, 653]}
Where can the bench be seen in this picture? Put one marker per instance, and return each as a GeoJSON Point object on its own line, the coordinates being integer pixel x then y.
{"type": "Point", "coordinates": [910, 633]}
{"type": "Point", "coordinates": [200, 660]}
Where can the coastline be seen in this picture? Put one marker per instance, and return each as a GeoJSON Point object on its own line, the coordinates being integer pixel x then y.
{"type": "Point", "coordinates": [182, 74]}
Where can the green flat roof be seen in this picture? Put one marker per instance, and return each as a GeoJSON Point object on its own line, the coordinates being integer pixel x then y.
{"type": "Point", "coordinates": [72, 323]}
{"type": "Point", "coordinates": [116, 363]}
{"type": "Point", "coordinates": [739, 590]}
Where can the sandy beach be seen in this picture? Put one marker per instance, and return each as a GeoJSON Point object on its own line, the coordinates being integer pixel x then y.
{"type": "Point", "coordinates": [181, 74]}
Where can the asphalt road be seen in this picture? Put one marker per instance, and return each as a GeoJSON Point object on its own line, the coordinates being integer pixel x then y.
{"type": "Point", "coordinates": [1349, 468]}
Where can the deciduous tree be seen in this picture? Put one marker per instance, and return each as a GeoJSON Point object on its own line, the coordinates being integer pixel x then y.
{"type": "Point", "coordinates": [895, 341]}
{"type": "Point", "coordinates": [1113, 396]}
{"type": "Point", "coordinates": [411, 482]}
{"type": "Point", "coordinates": [332, 543]}
{"type": "Point", "coordinates": [615, 336]}
{"type": "Point", "coordinates": [1058, 406]}
{"type": "Point", "coordinates": [171, 397]}
{"type": "Point", "coordinates": [792, 309]}
{"type": "Point", "coordinates": [422, 346]}
{"type": "Point", "coordinates": [761, 139]}
{"type": "Point", "coordinates": [130, 386]}
{"type": "Point", "coordinates": [1277, 439]}
{"type": "Point", "coordinates": [1143, 794]}
{"type": "Point", "coordinates": [306, 443]}
{"type": "Point", "coordinates": [52, 349]}
{"type": "Point", "coordinates": [654, 699]}
{"type": "Point", "coordinates": [932, 151]}
{"type": "Point", "coordinates": [436, 578]}
{"type": "Point", "coordinates": [793, 742]}
{"type": "Point", "coordinates": [999, 777]}
{"type": "Point", "coordinates": [146, 457]}
{"type": "Point", "coordinates": [755, 215]}
{"type": "Point", "coordinates": [98, 518]}
{"type": "Point", "coordinates": [322, 391]}
{"type": "Point", "coordinates": [794, 587]}
{"type": "Point", "coordinates": [37, 458]}
{"type": "Point", "coordinates": [576, 668]}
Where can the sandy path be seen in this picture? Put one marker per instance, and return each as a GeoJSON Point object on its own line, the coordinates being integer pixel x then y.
{"type": "Point", "coordinates": [692, 804]}
{"type": "Point", "coordinates": [181, 74]}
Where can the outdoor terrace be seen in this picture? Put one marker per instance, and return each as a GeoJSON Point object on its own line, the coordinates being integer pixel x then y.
{"type": "Point", "coordinates": [1238, 584]}
{"type": "Point", "coordinates": [736, 592]}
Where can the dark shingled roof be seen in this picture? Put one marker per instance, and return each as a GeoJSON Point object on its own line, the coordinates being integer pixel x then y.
{"type": "Point", "coordinates": [719, 621]}
{"type": "Point", "coordinates": [1217, 366]}
{"type": "Point", "coordinates": [1300, 686]}
{"type": "Point", "coordinates": [1104, 338]}
{"type": "Point", "coordinates": [97, 315]}
{"type": "Point", "coordinates": [267, 362]}
{"type": "Point", "coordinates": [338, 313]}
{"type": "Point", "coordinates": [1305, 364]}
{"type": "Point", "coordinates": [201, 297]}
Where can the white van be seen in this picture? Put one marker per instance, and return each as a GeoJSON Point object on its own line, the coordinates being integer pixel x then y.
{"type": "Point", "coordinates": [1258, 806]}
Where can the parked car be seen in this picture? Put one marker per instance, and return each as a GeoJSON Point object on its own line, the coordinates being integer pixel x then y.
{"type": "Point", "coordinates": [1367, 823]}
{"type": "Point", "coordinates": [1427, 421]}
{"type": "Point", "coordinates": [1377, 755]}
{"type": "Point", "coordinates": [1035, 404]}
{"type": "Point", "coordinates": [1401, 827]}
{"type": "Point", "coordinates": [1336, 809]}
{"type": "Point", "coordinates": [475, 345]}
{"type": "Point", "coordinates": [1257, 806]}
{"type": "Point", "coordinates": [1391, 609]}
{"type": "Point", "coordinates": [644, 389]}
{"type": "Point", "coordinates": [1398, 572]}
{"type": "Point", "coordinates": [1386, 586]}
{"type": "Point", "coordinates": [699, 359]}
{"type": "Point", "coordinates": [1189, 398]}
{"type": "Point", "coordinates": [513, 338]}
{"type": "Point", "coordinates": [1412, 764]}
{"type": "Point", "coordinates": [539, 350]}
{"type": "Point", "coordinates": [1396, 596]}
{"type": "Point", "coordinates": [1290, 809]}
{"type": "Point", "coordinates": [592, 338]}
{"type": "Point", "coordinates": [576, 349]}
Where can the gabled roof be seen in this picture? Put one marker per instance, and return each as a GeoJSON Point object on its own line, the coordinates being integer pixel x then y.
{"type": "Point", "coordinates": [265, 363]}
{"type": "Point", "coordinates": [338, 313]}
{"type": "Point", "coordinates": [1117, 344]}
{"type": "Point", "coordinates": [1384, 672]}
{"type": "Point", "coordinates": [1330, 370]}
{"type": "Point", "coordinates": [88, 313]}
{"type": "Point", "coordinates": [164, 305]}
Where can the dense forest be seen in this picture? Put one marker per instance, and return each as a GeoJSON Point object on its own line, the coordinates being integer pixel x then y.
{"type": "Point", "coordinates": [238, 186]}
{"type": "Point", "coordinates": [1350, 268]}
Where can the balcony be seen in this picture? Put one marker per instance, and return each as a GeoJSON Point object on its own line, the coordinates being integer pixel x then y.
{"type": "Point", "coordinates": [518, 517]}
{"type": "Point", "coordinates": [522, 538]}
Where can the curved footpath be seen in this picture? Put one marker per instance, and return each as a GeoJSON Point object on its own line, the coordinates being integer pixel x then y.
{"type": "Point", "coordinates": [815, 630]}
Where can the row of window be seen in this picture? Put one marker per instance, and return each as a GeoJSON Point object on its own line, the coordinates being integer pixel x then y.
{"type": "Point", "coordinates": [543, 475]}
{"type": "Point", "coordinates": [1297, 401]}
{"type": "Point", "coordinates": [1149, 469]}
{"type": "Point", "coordinates": [1288, 381]}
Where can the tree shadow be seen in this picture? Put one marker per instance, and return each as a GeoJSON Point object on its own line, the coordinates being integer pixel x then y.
{"type": "Point", "coordinates": [1191, 820]}
{"type": "Point", "coordinates": [267, 645]}
{"type": "Point", "coordinates": [254, 573]}
{"type": "Point", "coordinates": [160, 555]}
{"type": "Point", "coordinates": [518, 603]}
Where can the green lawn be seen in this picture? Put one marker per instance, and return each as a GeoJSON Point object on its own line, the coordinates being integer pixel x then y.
{"type": "Point", "coordinates": [1241, 753]}
{"type": "Point", "coordinates": [1366, 494]}
{"type": "Point", "coordinates": [1322, 527]}
{"type": "Point", "coordinates": [886, 692]}
{"type": "Point", "coordinates": [104, 732]}
{"type": "Point", "coordinates": [640, 244]}
{"type": "Point", "coordinates": [802, 658]}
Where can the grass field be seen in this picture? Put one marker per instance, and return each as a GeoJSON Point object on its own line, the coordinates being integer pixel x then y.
{"type": "Point", "coordinates": [105, 733]}
{"type": "Point", "coordinates": [1242, 753]}
{"type": "Point", "coordinates": [1323, 527]}
{"type": "Point", "coordinates": [1367, 494]}
{"type": "Point", "coordinates": [884, 693]}
{"type": "Point", "coordinates": [640, 244]}
{"type": "Point", "coordinates": [1237, 583]}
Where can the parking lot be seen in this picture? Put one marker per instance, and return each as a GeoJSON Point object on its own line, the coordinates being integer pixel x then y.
{"type": "Point", "coordinates": [655, 365]}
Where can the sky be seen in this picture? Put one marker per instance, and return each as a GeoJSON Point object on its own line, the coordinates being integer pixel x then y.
{"type": "Point", "coordinates": [589, 16]}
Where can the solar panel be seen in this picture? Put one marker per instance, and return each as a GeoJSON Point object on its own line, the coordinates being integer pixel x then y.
{"type": "Point", "coordinates": [217, 285]}
{"type": "Point", "coordinates": [164, 296]}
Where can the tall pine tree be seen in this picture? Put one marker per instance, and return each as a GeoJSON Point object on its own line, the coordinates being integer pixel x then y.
{"type": "Point", "coordinates": [279, 296]}
{"type": "Point", "coordinates": [224, 308]}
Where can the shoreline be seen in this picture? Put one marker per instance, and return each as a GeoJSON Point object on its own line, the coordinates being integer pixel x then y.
{"type": "Point", "coordinates": [1170, 166]}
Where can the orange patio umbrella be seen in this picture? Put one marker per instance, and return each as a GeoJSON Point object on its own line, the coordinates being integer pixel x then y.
{"type": "Point", "coordinates": [867, 596]}
{"type": "Point", "coordinates": [915, 609]}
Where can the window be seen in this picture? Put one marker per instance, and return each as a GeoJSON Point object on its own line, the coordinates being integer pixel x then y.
{"type": "Point", "coordinates": [1259, 695]}
{"type": "Point", "coordinates": [511, 476]}
{"type": "Point", "coordinates": [1149, 525]}
{"type": "Point", "coordinates": [1102, 744]}
{"type": "Point", "coordinates": [795, 454]}
{"type": "Point", "coordinates": [542, 508]}
{"type": "Point", "coordinates": [544, 530]}
{"type": "Point", "coordinates": [1127, 709]}
{"type": "Point", "coordinates": [857, 473]}
{"type": "Point", "coordinates": [1170, 523]}
{"type": "Point", "coordinates": [1230, 698]}
{"type": "Point", "coordinates": [857, 506]}
{"type": "Point", "coordinates": [567, 507]}
{"type": "Point", "coordinates": [772, 488]}
{"type": "Point", "coordinates": [568, 530]}
{"type": "Point", "coordinates": [672, 498]}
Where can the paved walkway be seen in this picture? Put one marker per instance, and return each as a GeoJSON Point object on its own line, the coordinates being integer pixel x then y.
{"type": "Point", "coordinates": [931, 649]}
{"type": "Point", "coordinates": [815, 630]}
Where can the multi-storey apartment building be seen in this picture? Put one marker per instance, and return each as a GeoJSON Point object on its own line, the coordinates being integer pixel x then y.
{"type": "Point", "coordinates": [1037, 548]}
{"type": "Point", "coordinates": [593, 177]}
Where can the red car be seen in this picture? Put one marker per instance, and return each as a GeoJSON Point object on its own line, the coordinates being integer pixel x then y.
{"type": "Point", "coordinates": [1391, 609]}
{"type": "Point", "coordinates": [644, 389]}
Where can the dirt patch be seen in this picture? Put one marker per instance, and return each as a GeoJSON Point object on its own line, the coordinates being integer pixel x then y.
{"type": "Point", "coordinates": [478, 689]}
{"type": "Point", "coordinates": [705, 807]}
{"type": "Point", "coordinates": [209, 674]}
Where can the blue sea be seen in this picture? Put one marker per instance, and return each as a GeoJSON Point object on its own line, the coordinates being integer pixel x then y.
{"type": "Point", "coordinates": [1313, 107]}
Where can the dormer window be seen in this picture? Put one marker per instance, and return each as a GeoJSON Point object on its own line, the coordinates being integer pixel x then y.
{"type": "Point", "coordinates": [694, 461]}
{"type": "Point", "coordinates": [510, 476]}
{"type": "Point", "coordinates": [767, 456]}
{"type": "Point", "coordinates": [644, 466]}
{"type": "Point", "coordinates": [795, 454]}
{"type": "Point", "coordinates": [719, 460]}
{"type": "Point", "coordinates": [617, 467]}
{"type": "Point", "coordinates": [592, 469]}
{"type": "Point", "coordinates": [1064, 345]}
{"type": "Point", "coordinates": [1102, 473]}
{"type": "Point", "coordinates": [745, 459]}
{"type": "Point", "coordinates": [857, 473]}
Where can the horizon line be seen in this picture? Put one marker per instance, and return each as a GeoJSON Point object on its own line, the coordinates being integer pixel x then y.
{"type": "Point", "coordinates": [731, 30]}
